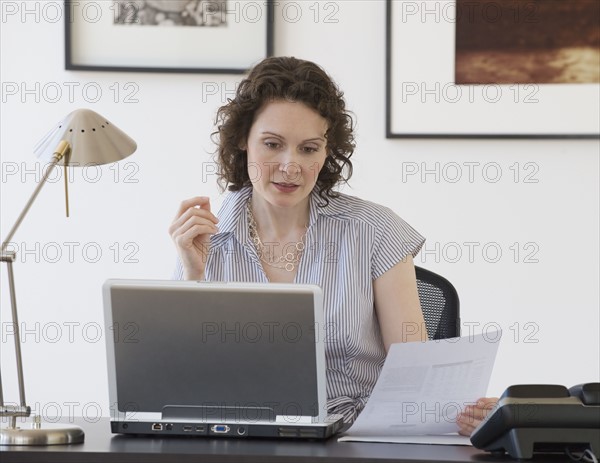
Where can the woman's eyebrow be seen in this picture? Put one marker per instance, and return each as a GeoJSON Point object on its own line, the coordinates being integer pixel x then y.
{"type": "Point", "coordinates": [271, 133]}
{"type": "Point", "coordinates": [283, 138]}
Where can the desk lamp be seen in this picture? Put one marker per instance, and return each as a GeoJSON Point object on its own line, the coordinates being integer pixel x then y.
{"type": "Point", "coordinates": [83, 138]}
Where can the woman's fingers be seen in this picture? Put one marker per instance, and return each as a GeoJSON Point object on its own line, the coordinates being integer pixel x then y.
{"type": "Point", "coordinates": [481, 408]}
{"type": "Point", "coordinates": [190, 214]}
{"type": "Point", "coordinates": [199, 201]}
{"type": "Point", "coordinates": [190, 230]}
{"type": "Point", "coordinates": [472, 415]}
{"type": "Point", "coordinates": [194, 227]}
{"type": "Point", "coordinates": [187, 240]}
{"type": "Point", "coordinates": [466, 429]}
{"type": "Point", "coordinates": [487, 402]}
{"type": "Point", "coordinates": [198, 206]}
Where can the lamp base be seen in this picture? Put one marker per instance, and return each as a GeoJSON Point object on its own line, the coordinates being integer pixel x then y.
{"type": "Point", "coordinates": [50, 434]}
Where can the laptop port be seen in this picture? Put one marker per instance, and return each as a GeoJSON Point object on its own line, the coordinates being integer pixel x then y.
{"type": "Point", "coordinates": [241, 430]}
{"type": "Point", "coordinates": [169, 427]}
{"type": "Point", "coordinates": [187, 429]}
{"type": "Point", "coordinates": [157, 427]}
{"type": "Point", "coordinates": [220, 428]}
{"type": "Point", "coordinates": [199, 428]}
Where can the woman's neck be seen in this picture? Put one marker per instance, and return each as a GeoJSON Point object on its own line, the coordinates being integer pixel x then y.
{"type": "Point", "coordinates": [279, 223]}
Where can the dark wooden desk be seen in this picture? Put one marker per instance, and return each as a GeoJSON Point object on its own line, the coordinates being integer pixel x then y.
{"type": "Point", "coordinates": [103, 447]}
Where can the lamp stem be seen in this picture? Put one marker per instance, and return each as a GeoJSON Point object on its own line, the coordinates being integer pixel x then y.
{"type": "Point", "coordinates": [63, 148]}
{"type": "Point", "coordinates": [15, 319]}
{"type": "Point", "coordinates": [67, 186]}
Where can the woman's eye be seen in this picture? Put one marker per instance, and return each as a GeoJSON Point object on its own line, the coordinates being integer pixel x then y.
{"type": "Point", "coordinates": [271, 144]}
{"type": "Point", "coordinates": [310, 149]}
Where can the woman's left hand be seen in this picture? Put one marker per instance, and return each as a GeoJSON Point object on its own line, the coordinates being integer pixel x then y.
{"type": "Point", "coordinates": [472, 415]}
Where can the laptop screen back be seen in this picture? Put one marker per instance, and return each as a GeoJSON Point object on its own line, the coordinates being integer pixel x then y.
{"type": "Point", "coordinates": [200, 347]}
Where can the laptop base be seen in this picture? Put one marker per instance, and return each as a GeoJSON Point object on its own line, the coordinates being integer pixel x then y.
{"type": "Point", "coordinates": [221, 429]}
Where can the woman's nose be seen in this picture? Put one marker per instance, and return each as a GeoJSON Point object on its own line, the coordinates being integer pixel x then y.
{"type": "Point", "coordinates": [291, 170]}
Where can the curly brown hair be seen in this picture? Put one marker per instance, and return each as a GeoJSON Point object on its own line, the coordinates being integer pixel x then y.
{"type": "Point", "coordinates": [291, 79]}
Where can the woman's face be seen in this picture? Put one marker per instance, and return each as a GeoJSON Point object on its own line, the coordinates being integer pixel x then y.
{"type": "Point", "coordinates": [286, 151]}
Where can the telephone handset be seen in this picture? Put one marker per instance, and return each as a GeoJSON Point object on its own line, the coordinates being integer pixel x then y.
{"type": "Point", "coordinates": [540, 418]}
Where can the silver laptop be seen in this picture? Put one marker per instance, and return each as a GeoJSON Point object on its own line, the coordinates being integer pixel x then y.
{"type": "Point", "coordinates": [217, 359]}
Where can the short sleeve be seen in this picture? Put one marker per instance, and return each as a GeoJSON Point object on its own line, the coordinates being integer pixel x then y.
{"type": "Point", "coordinates": [394, 241]}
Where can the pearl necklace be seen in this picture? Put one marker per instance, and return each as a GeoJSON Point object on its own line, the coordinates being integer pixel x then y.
{"type": "Point", "coordinates": [289, 261]}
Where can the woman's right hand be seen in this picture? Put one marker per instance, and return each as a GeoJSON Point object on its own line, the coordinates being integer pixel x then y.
{"type": "Point", "coordinates": [191, 230]}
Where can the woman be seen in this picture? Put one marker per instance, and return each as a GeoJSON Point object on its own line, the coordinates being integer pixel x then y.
{"type": "Point", "coordinates": [284, 142]}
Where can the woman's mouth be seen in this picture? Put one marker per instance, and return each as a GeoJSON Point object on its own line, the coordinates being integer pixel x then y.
{"type": "Point", "coordinates": [286, 187]}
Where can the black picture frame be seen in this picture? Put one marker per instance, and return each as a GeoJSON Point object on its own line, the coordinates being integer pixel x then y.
{"type": "Point", "coordinates": [427, 132]}
{"type": "Point", "coordinates": [72, 15]}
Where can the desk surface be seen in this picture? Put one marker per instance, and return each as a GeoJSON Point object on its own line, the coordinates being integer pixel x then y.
{"type": "Point", "coordinates": [104, 447]}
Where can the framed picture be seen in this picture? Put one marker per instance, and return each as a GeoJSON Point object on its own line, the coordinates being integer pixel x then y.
{"type": "Point", "coordinates": [184, 36]}
{"type": "Point", "coordinates": [492, 69]}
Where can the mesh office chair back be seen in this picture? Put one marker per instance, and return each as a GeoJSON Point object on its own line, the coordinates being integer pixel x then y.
{"type": "Point", "coordinates": [440, 304]}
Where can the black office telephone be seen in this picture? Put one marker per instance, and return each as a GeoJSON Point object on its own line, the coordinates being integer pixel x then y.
{"type": "Point", "coordinates": [542, 418]}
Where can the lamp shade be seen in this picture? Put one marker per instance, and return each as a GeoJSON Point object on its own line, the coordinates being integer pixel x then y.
{"type": "Point", "coordinates": [94, 140]}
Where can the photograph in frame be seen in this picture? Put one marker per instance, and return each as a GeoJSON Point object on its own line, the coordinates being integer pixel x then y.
{"type": "Point", "coordinates": [554, 42]}
{"type": "Point", "coordinates": [443, 80]}
{"type": "Point", "coordinates": [185, 36]}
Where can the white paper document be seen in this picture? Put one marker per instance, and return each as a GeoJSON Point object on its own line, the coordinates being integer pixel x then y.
{"type": "Point", "coordinates": [422, 388]}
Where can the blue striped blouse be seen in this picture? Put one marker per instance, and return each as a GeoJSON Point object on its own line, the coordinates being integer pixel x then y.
{"type": "Point", "coordinates": [350, 242]}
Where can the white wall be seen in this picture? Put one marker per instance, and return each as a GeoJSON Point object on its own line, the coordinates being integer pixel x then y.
{"type": "Point", "coordinates": [548, 307]}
